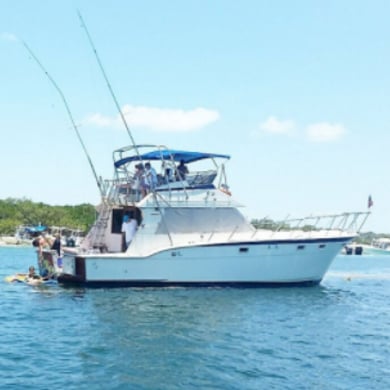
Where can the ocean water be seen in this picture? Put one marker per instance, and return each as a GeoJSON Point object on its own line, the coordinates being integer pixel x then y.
{"type": "Point", "coordinates": [333, 336]}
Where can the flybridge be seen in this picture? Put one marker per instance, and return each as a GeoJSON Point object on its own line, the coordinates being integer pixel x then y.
{"type": "Point", "coordinates": [129, 170]}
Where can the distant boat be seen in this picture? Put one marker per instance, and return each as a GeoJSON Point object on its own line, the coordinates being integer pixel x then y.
{"type": "Point", "coordinates": [192, 233]}
{"type": "Point", "coordinates": [23, 235]}
{"type": "Point", "coordinates": [69, 236]}
{"type": "Point", "coordinates": [352, 249]}
{"type": "Point", "coordinates": [379, 246]}
{"type": "Point", "coordinates": [28, 232]}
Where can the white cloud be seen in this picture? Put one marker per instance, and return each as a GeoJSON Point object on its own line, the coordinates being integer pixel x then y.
{"type": "Point", "coordinates": [275, 126]}
{"type": "Point", "coordinates": [174, 120]}
{"type": "Point", "coordinates": [101, 121]}
{"type": "Point", "coordinates": [5, 36]}
{"type": "Point", "coordinates": [316, 132]}
{"type": "Point", "coordinates": [325, 132]}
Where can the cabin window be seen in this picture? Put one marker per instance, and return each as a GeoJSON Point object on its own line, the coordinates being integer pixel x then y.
{"type": "Point", "coordinates": [300, 247]}
{"type": "Point", "coordinates": [244, 250]}
{"type": "Point", "coordinates": [321, 246]}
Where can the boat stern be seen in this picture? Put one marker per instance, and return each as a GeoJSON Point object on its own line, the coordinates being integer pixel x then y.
{"type": "Point", "coordinates": [73, 269]}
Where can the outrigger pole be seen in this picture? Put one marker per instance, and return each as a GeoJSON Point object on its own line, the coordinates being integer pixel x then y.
{"type": "Point", "coordinates": [98, 181]}
{"type": "Point", "coordinates": [108, 83]}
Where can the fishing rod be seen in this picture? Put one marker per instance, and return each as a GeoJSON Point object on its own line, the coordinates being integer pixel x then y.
{"type": "Point", "coordinates": [98, 181]}
{"type": "Point", "coordinates": [83, 25]}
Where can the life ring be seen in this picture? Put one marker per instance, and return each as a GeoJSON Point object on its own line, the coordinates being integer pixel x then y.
{"type": "Point", "coordinates": [225, 191]}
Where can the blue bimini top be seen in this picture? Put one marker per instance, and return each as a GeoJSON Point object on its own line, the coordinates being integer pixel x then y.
{"type": "Point", "coordinates": [170, 154]}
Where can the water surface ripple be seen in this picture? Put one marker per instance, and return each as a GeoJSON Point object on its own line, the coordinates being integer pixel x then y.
{"type": "Point", "coordinates": [334, 336]}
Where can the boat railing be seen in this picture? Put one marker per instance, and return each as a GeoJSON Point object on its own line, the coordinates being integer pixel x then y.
{"type": "Point", "coordinates": [348, 222]}
{"type": "Point", "coordinates": [124, 189]}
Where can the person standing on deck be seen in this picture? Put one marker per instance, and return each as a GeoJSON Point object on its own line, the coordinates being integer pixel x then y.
{"type": "Point", "coordinates": [129, 228]}
{"type": "Point", "coordinates": [56, 246]}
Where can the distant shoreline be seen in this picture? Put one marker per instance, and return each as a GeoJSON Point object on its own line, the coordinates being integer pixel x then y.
{"type": "Point", "coordinates": [13, 241]}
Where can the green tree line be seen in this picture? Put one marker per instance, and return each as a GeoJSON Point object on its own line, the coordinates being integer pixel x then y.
{"type": "Point", "coordinates": [16, 212]}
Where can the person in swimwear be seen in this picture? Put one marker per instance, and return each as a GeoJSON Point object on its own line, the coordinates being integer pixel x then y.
{"type": "Point", "coordinates": [32, 277]}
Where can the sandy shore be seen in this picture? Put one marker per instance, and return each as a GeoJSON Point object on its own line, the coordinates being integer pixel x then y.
{"type": "Point", "coordinates": [11, 240]}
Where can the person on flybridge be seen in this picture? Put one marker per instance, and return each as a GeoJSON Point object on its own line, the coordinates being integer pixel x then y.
{"type": "Point", "coordinates": [150, 179]}
{"type": "Point", "coordinates": [181, 171]}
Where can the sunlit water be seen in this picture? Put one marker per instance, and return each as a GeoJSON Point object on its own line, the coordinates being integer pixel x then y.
{"type": "Point", "coordinates": [334, 336]}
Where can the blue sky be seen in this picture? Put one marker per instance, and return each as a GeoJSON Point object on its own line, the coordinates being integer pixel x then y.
{"type": "Point", "coordinates": [297, 92]}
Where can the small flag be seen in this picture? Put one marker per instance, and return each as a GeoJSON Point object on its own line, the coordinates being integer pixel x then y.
{"type": "Point", "coordinates": [370, 202]}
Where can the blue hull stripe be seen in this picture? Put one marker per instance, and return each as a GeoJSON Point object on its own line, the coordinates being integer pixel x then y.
{"type": "Point", "coordinates": [280, 242]}
{"type": "Point", "coordinates": [74, 281]}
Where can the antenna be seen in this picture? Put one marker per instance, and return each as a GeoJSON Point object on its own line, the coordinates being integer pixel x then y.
{"type": "Point", "coordinates": [108, 83]}
{"type": "Point", "coordinates": [98, 182]}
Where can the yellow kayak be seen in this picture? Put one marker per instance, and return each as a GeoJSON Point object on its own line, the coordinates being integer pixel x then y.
{"type": "Point", "coordinates": [16, 278]}
{"type": "Point", "coordinates": [23, 278]}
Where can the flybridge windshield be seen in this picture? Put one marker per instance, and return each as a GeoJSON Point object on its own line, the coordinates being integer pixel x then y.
{"type": "Point", "coordinates": [169, 154]}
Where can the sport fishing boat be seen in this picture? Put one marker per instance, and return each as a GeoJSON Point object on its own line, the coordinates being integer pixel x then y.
{"type": "Point", "coordinates": [191, 231]}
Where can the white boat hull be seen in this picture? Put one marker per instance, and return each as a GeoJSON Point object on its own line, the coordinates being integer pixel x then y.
{"type": "Point", "coordinates": [246, 264]}
{"type": "Point", "coordinates": [191, 232]}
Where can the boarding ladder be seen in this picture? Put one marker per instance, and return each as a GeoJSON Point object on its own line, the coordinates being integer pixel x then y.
{"type": "Point", "coordinates": [95, 237]}
{"type": "Point", "coordinates": [96, 240]}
